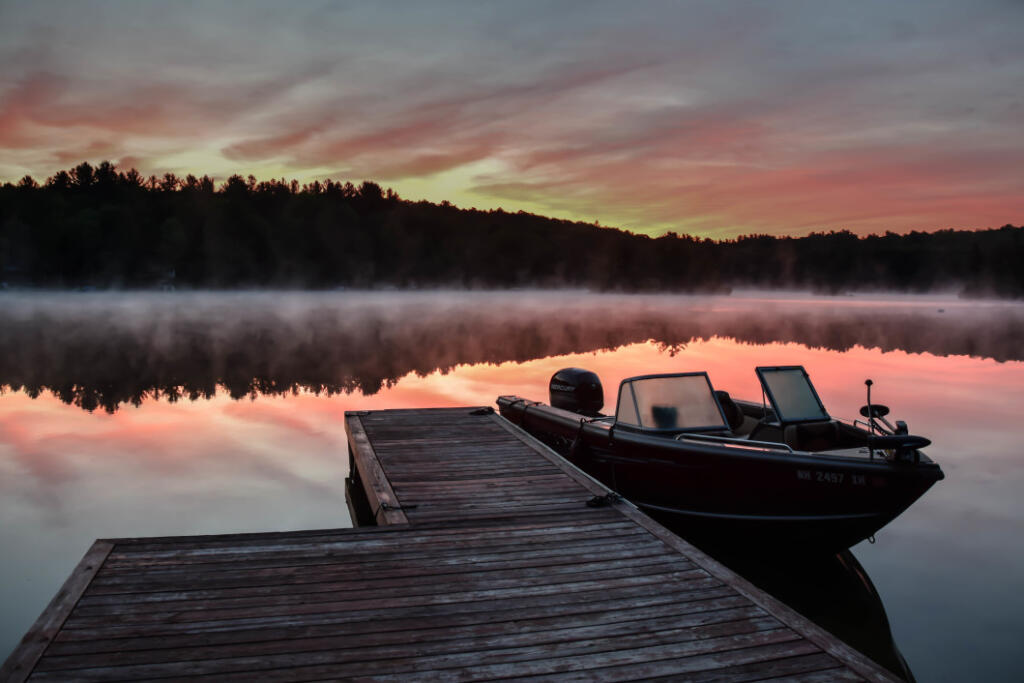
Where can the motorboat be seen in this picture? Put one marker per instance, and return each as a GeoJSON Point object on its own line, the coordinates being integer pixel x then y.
{"type": "Point", "coordinates": [780, 472]}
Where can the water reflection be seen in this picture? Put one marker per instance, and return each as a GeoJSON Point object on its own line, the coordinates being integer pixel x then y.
{"type": "Point", "coordinates": [950, 570]}
{"type": "Point", "coordinates": [105, 350]}
{"type": "Point", "coordinates": [834, 591]}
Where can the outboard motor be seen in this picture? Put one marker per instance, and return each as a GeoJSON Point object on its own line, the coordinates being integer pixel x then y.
{"type": "Point", "coordinates": [577, 390]}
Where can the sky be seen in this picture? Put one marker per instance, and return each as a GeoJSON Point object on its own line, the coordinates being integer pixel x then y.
{"type": "Point", "coordinates": [710, 118]}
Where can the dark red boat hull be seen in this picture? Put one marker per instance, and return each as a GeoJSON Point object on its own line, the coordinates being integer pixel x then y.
{"type": "Point", "coordinates": [705, 491]}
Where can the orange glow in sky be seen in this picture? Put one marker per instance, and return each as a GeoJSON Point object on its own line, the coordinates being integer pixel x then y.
{"type": "Point", "coordinates": [692, 117]}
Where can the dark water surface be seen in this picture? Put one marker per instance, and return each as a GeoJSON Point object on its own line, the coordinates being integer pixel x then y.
{"type": "Point", "coordinates": [154, 414]}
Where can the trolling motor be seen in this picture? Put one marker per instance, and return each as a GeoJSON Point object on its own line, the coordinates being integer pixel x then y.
{"type": "Point", "coordinates": [878, 412]}
{"type": "Point", "coordinates": [884, 435]}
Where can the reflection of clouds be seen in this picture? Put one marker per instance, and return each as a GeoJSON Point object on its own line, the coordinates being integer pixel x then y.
{"type": "Point", "coordinates": [277, 463]}
{"type": "Point", "coordinates": [273, 416]}
{"type": "Point", "coordinates": [106, 350]}
{"type": "Point", "coordinates": [23, 454]}
{"type": "Point", "coordinates": [59, 457]}
{"type": "Point", "coordinates": [52, 447]}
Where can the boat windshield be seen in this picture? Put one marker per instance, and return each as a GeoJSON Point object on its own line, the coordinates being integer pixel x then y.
{"type": "Point", "coordinates": [670, 402]}
{"type": "Point", "coordinates": [791, 394]}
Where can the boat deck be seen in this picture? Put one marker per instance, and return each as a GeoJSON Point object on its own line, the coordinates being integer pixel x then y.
{"type": "Point", "coordinates": [487, 563]}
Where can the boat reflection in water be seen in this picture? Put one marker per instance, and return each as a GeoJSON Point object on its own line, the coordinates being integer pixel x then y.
{"type": "Point", "coordinates": [833, 591]}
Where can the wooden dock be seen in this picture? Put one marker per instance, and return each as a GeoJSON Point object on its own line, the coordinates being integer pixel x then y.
{"type": "Point", "coordinates": [487, 563]}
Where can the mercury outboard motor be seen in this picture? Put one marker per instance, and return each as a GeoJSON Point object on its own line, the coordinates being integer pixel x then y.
{"type": "Point", "coordinates": [577, 390]}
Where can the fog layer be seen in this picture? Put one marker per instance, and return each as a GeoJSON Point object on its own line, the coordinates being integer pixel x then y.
{"type": "Point", "coordinates": [103, 350]}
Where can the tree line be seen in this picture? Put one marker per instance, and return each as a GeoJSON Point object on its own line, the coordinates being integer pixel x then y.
{"type": "Point", "coordinates": [100, 227]}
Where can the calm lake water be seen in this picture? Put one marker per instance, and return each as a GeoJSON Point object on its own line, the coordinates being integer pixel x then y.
{"type": "Point", "coordinates": [155, 414]}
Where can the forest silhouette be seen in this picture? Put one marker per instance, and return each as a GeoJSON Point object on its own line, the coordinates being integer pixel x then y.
{"type": "Point", "coordinates": [99, 227]}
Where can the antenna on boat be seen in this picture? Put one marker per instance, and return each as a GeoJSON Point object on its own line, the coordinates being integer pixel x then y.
{"type": "Point", "coordinates": [871, 413]}
{"type": "Point", "coordinates": [871, 421]}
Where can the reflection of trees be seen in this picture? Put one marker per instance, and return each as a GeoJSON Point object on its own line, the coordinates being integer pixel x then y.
{"type": "Point", "coordinates": [105, 350]}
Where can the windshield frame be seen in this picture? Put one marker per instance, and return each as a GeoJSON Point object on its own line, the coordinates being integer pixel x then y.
{"type": "Point", "coordinates": [723, 427]}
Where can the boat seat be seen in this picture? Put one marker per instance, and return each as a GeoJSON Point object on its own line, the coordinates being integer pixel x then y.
{"type": "Point", "coordinates": [733, 414]}
{"type": "Point", "coordinates": [812, 436]}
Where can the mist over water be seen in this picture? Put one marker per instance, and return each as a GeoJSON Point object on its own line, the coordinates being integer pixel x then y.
{"type": "Point", "coordinates": [100, 437]}
{"type": "Point", "coordinates": [105, 350]}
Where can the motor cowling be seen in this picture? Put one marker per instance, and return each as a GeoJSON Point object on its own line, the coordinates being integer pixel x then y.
{"type": "Point", "coordinates": [577, 390]}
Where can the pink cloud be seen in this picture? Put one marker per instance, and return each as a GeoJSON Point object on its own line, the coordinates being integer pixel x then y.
{"type": "Point", "coordinates": [708, 121]}
{"type": "Point", "coordinates": [434, 132]}
{"type": "Point", "coordinates": [714, 172]}
{"type": "Point", "coordinates": [18, 108]}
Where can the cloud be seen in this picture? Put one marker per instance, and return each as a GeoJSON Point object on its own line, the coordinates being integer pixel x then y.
{"type": "Point", "coordinates": [18, 106]}
{"type": "Point", "coordinates": [446, 125]}
{"type": "Point", "coordinates": [687, 116]}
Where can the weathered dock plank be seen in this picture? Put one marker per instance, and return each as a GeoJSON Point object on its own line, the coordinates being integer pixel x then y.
{"type": "Point", "coordinates": [486, 563]}
{"type": "Point", "coordinates": [25, 657]}
{"type": "Point", "coordinates": [377, 486]}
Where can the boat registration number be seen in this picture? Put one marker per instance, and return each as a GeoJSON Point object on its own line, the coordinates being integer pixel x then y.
{"type": "Point", "coordinates": [830, 477]}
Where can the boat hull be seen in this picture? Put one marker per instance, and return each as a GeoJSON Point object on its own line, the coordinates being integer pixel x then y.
{"type": "Point", "coordinates": [714, 493]}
